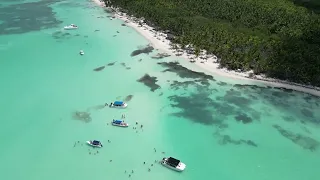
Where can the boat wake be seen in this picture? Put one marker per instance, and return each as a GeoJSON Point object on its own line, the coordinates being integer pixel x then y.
{"type": "Point", "coordinates": [128, 98]}
{"type": "Point", "coordinates": [97, 107]}
{"type": "Point", "coordinates": [5, 46]}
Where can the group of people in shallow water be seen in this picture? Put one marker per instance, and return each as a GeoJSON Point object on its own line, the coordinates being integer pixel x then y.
{"type": "Point", "coordinates": [106, 104]}
{"type": "Point", "coordinates": [141, 126]}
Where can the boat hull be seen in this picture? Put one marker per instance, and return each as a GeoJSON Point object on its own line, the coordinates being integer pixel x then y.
{"type": "Point", "coordinates": [179, 168]}
{"type": "Point", "coordinates": [70, 28]}
{"type": "Point", "coordinates": [120, 107]}
{"type": "Point", "coordinates": [90, 143]}
{"type": "Point", "coordinates": [127, 125]}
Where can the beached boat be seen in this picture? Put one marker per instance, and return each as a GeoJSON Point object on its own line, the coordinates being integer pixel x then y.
{"type": "Point", "coordinates": [81, 52]}
{"type": "Point", "coordinates": [70, 27]}
{"type": "Point", "coordinates": [173, 163]}
{"type": "Point", "coordinates": [119, 123]}
{"type": "Point", "coordinates": [118, 104]}
{"type": "Point", "coordinates": [95, 143]}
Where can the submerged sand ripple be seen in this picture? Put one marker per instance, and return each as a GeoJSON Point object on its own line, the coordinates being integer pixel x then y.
{"type": "Point", "coordinates": [82, 116]}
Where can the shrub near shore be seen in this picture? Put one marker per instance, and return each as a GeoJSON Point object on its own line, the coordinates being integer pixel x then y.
{"type": "Point", "coordinates": [274, 37]}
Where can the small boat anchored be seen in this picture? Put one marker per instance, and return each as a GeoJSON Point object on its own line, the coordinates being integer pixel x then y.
{"type": "Point", "coordinates": [81, 52]}
{"type": "Point", "coordinates": [70, 27]}
{"type": "Point", "coordinates": [95, 143]}
{"type": "Point", "coordinates": [119, 123]}
{"type": "Point", "coordinates": [118, 104]}
{"type": "Point", "coordinates": [173, 163]}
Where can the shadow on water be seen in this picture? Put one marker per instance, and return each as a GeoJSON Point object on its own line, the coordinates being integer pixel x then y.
{"type": "Point", "coordinates": [27, 17]}
{"type": "Point", "coordinates": [82, 116]}
{"type": "Point", "coordinates": [199, 102]}
{"type": "Point", "coordinates": [150, 82]}
{"type": "Point", "coordinates": [298, 139]}
{"type": "Point", "coordinates": [226, 139]}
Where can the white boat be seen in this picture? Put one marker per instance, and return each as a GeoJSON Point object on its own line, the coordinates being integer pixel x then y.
{"type": "Point", "coordinates": [95, 143]}
{"type": "Point", "coordinates": [173, 163]}
{"type": "Point", "coordinates": [71, 26]}
{"type": "Point", "coordinates": [119, 123]}
{"type": "Point", "coordinates": [81, 52]}
{"type": "Point", "coordinates": [118, 104]}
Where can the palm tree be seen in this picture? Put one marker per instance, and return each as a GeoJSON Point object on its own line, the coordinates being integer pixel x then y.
{"type": "Point", "coordinates": [197, 52]}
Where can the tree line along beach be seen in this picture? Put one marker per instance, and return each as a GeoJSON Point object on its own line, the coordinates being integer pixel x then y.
{"type": "Point", "coordinates": [238, 46]}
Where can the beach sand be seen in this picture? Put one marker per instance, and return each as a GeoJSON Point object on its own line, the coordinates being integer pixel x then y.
{"type": "Point", "coordinates": [99, 2]}
{"type": "Point", "coordinates": [209, 65]}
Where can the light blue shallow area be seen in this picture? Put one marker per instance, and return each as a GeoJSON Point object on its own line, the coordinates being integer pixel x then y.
{"type": "Point", "coordinates": [46, 85]}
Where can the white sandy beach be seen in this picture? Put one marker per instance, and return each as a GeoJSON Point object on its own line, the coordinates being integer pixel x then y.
{"type": "Point", "coordinates": [209, 65]}
{"type": "Point", "coordinates": [99, 2]}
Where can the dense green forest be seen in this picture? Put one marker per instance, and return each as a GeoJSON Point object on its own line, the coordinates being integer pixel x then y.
{"type": "Point", "coordinates": [280, 38]}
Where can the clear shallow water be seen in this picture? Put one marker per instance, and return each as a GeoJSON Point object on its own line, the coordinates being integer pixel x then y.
{"type": "Point", "coordinates": [45, 80]}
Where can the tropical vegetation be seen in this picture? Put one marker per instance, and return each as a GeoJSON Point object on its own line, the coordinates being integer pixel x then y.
{"type": "Point", "coordinates": [280, 38]}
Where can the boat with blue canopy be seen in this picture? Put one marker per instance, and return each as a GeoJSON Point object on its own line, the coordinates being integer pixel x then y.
{"type": "Point", "coordinates": [95, 143]}
{"type": "Point", "coordinates": [118, 104]}
{"type": "Point", "coordinates": [119, 123]}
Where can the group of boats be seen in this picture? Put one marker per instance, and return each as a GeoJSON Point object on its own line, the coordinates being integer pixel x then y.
{"type": "Point", "coordinates": [72, 27]}
{"type": "Point", "coordinates": [169, 162]}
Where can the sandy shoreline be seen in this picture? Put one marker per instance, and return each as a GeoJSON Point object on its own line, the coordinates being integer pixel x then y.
{"type": "Point", "coordinates": [99, 2]}
{"type": "Point", "coordinates": [159, 41]}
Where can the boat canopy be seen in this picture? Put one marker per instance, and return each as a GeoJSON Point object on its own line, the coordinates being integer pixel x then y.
{"type": "Point", "coordinates": [173, 162]}
{"type": "Point", "coordinates": [118, 103]}
{"type": "Point", "coordinates": [95, 142]}
{"type": "Point", "coordinates": [117, 121]}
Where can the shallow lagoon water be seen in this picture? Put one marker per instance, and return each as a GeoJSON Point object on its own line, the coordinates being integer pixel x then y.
{"type": "Point", "coordinates": [221, 128]}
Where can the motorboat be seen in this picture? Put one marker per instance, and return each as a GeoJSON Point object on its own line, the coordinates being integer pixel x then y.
{"type": "Point", "coordinates": [81, 52]}
{"type": "Point", "coordinates": [70, 27]}
{"type": "Point", "coordinates": [119, 123]}
{"type": "Point", "coordinates": [118, 104]}
{"type": "Point", "coordinates": [95, 143]}
{"type": "Point", "coordinates": [173, 163]}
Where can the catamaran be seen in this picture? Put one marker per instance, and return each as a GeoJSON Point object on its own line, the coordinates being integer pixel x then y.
{"type": "Point", "coordinates": [118, 104]}
{"type": "Point", "coordinates": [95, 143]}
{"type": "Point", "coordinates": [119, 123]}
{"type": "Point", "coordinates": [173, 163]}
{"type": "Point", "coordinates": [71, 26]}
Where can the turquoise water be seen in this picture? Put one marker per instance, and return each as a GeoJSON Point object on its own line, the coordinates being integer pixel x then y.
{"type": "Point", "coordinates": [221, 128]}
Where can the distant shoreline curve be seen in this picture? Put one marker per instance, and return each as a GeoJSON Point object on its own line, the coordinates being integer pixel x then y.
{"type": "Point", "coordinates": [159, 41]}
